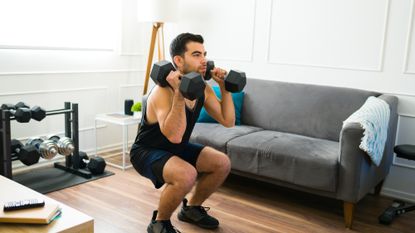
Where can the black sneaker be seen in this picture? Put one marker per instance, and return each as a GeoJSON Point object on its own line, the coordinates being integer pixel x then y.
{"type": "Point", "coordinates": [163, 226]}
{"type": "Point", "coordinates": [197, 215]}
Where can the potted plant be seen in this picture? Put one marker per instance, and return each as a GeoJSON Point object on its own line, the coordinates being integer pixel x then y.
{"type": "Point", "coordinates": [136, 108]}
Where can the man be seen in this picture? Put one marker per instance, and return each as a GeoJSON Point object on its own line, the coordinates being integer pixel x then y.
{"type": "Point", "coordinates": [162, 151]}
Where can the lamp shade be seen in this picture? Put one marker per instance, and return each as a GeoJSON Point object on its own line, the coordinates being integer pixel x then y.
{"type": "Point", "coordinates": [157, 10]}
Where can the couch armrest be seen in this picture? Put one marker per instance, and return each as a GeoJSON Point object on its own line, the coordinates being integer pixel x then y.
{"type": "Point", "coordinates": [357, 174]}
{"type": "Point", "coordinates": [351, 160]}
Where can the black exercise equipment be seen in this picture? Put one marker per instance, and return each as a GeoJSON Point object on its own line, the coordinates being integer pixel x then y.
{"type": "Point", "coordinates": [235, 80]}
{"type": "Point", "coordinates": [65, 144]}
{"type": "Point", "coordinates": [37, 113]}
{"type": "Point", "coordinates": [399, 207]}
{"type": "Point", "coordinates": [23, 113]}
{"type": "Point", "coordinates": [28, 154]}
{"type": "Point", "coordinates": [46, 148]}
{"type": "Point", "coordinates": [21, 105]}
{"type": "Point", "coordinates": [70, 112]}
{"type": "Point", "coordinates": [192, 85]}
{"type": "Point", "coordinates": [210, 65]}
{"type": "Point", "coordinates": [95, 164]}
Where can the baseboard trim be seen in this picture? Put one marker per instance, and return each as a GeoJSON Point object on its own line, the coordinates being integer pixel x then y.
{"type": "Point", "coordinates": [393, 193]}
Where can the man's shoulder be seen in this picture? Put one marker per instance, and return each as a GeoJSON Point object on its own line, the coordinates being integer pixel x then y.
{"type": "Point", "coordinates": [160, 94]}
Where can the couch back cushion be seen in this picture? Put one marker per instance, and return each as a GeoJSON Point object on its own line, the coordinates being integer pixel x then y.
{"type": "Point", "coordinates": [305, 109]}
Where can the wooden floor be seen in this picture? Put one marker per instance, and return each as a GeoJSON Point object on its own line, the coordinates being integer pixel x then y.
{"type": "Point", "coordinates": [124, 202]}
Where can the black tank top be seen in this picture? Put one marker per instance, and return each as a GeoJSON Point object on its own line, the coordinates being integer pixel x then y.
{"type": "Point", "coordinates": [150, 135]}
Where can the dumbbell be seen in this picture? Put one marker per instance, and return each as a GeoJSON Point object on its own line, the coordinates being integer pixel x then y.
{"type": "Point", "coordinates": [65, 145]}
{"type": "Point", "coordinates": [192, 85]}
{"type": "Point", "coordinates": [28, 154]}
{"type": "Point", "coordinates": [96, 165]}
{"type": "Point", "coordinates": [235, 80]}
{"type": "Point", "coordinates": [23, 113]}
{"type": "Point", "coordinates": [37, 113]}
{"type": "Point", "coordinates": [46, 148]}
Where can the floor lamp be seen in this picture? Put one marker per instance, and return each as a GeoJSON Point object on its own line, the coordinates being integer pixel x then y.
{"type": "Point", "coordinates": [158, 12]}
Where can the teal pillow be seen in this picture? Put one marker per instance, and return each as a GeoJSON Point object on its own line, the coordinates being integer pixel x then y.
{"type": "Point", "coordinates": [238, 99]}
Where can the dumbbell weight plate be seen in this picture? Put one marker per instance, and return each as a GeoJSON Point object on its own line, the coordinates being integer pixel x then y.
{"type": "Point", "coordinates": [21, 105]}
{"type": "Point", "coordinates": [65, 144]}
{"type": "Point", "coordinates": [38, 113]}
{"type": "Point", "coordinates": [160, 71]}
{"type": "Point", "coordinates": [96, 165]}
{"type": "Point", "coordinates": [209, 67]}
{"type": "Point", "coordinates": [22, 115]}
{"type": "Point", "coordinates": [46, 148]}
{"type": "Point", "coordinates": [192, 86]}
{"type": "Point", "coordinates": [28, 154]}
{"type": "Point", "coordinates": [82, 158]}
{"type": "Point", "coordinates": [235, 81]}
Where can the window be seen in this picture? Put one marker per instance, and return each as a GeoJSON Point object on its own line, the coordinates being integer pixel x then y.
{"type": "Point", "coordinates": [72, 24]}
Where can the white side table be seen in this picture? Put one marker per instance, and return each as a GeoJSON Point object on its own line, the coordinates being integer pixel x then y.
{"type": "Point", "coordinates": [122, 120]}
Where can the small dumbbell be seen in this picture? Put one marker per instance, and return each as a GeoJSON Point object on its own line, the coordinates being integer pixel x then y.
{"type": "Point", "coordinates": [37, 113]}
{"type": "Point", "coordinates": [192, 85]}
{"type": "Point", "coordinates": [235, 80]}
{"type": "Point", "coordinates": [46, 148]}
{"type": "Point", "coordinates": [65, 144]}
{"type": "Point", "coordinates": [96, 165]}
{"type": "Point", "coordinates": [22, 113]}
{"type": "Point", "coordinates": [28, 155]}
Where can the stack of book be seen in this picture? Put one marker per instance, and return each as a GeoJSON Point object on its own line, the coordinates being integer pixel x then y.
{"type": "Point", "coordinates": [39, 215]}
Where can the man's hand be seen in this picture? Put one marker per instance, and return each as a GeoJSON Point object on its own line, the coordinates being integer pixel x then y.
{"type": "Point", "coordinates": [174, 79]}
{"type": "Point", "coordinates": [218, 75]}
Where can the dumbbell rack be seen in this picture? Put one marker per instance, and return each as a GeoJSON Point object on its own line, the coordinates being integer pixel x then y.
{"type": "Point", "coordinates": [71, 163]}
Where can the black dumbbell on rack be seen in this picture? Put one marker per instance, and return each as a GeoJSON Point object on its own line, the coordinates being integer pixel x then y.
{"type": "Point", "coordinates": [28, 154]}
{"type": "Point", "coordinates": [65, 144]}
{"type": "Point", "coordinates": [23, 113]}
{"type": "Point", "coordinates": [192, 85]}
{"type": "Point", "coordinates": [235, 80]}
{"type": "Point", "coordinates": [46, 148]}
{"type": "Point", "coordinates": [96, 165]}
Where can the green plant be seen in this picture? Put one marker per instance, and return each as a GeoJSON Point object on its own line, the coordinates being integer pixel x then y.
{"type": "Point", "coordinates": [136, 107]}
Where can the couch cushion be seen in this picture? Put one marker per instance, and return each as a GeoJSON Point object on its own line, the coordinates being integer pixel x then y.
{"type": "Point", "coordinates": [296, 159]}
{"type": "Point", "coordinates": [237, 98]}
{"type": "Point", "coordinates": [216, 135]}
{"type": "Point", "coordinates": [305, 109]}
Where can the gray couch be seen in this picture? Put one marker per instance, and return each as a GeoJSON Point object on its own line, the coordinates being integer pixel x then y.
{"type": "Point", "coordinates": [291, 135]}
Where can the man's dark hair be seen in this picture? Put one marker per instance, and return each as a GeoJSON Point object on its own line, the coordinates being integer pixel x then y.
{"type": "Point", "coordinates": [178, 44]}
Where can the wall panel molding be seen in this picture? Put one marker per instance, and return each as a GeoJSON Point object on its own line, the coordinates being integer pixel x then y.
{"type": "Point", "coordinates": [53, 91]}
{"type": "Point", "coordinates": [22, 47]}
{"type": "Point", "coordinates": [398, 194]}
{"type": "Point", "coordinates": [379, 67]}
{"type": "Point", "coordinates": [408, 40]}
{"type": "Point", "coordinates": [69, 72]}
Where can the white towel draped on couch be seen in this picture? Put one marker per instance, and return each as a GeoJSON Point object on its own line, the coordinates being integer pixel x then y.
{"type": "Point", "coordinates": [373, 116]}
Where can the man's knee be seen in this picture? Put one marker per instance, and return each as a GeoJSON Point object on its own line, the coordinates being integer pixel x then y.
{"type": "Point", "coordinates": [185, 177]}
{"type": "Point", "coordinates": [224, 164]}
{"type": "Point", "coordinates": [221, 163]}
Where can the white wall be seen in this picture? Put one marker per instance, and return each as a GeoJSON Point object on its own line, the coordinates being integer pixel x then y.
{"type": "Point", "coordinates": [365, 44]}
{"type": "Point", "coordinates": [97, 79]}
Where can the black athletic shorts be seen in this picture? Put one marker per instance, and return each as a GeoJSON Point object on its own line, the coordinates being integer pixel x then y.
{"type": "Point", "coordinates": [149, 162]}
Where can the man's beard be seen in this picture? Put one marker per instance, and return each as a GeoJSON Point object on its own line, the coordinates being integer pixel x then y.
{"type": "Point", "coordinates": [186, 69]}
